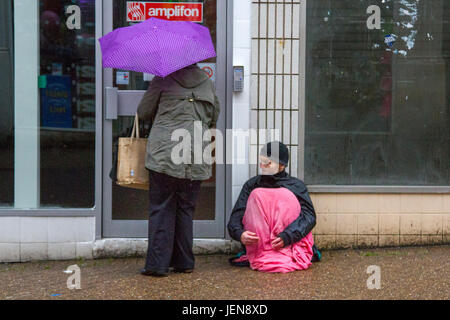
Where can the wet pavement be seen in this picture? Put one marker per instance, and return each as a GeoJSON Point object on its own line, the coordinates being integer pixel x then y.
{"type": "Point", "coordinates": [406, 273]}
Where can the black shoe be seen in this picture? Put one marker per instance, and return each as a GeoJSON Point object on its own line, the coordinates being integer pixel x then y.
{"type": "Point", "coordinates": [317, 256]}
{"type": "Point", "coordinates": [150, 273]}
{"type": "Point", "coordinates": [181, 270]}
{"type": "Point", "coordinates": [244, 263]}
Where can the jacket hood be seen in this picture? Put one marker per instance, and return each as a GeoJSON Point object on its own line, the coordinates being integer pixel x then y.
{"type": "Point", "coordinates": [190, 77]}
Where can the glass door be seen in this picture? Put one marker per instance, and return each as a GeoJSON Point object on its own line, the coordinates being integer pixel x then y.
{"type": "Point", "coordinates": [125, 211]}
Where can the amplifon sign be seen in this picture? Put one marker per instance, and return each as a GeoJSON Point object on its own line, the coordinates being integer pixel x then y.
{"type": "Point", "coordinates": [172, 11]}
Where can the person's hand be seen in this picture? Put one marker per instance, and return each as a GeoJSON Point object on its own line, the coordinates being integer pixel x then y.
{"type": "Point", "coordinates": [278, 243]}
{"type": "Point", "coordinates": [249, 238]}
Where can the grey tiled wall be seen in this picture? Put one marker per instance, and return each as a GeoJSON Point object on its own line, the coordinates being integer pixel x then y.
{"type": "Point", "coordinates": [275, 76]}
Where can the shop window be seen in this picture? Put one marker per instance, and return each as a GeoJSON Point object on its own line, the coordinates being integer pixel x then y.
{"type": "Point", "coordinates": [50, 150]}
{"type": "Point", "coordinates": [67, 60]}
{"type": "Point", "coordinates": [377, 93]}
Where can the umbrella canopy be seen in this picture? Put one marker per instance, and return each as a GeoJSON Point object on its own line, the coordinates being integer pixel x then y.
{"type": "Point", "coordinates": [157, 46]}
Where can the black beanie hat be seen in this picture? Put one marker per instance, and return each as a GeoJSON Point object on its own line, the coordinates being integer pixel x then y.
{"type": "Point", "coordinates": [277, 152]}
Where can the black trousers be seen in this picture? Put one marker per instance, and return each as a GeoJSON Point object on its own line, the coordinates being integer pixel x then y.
{"type": "Point", "coordinates": [170, 223]}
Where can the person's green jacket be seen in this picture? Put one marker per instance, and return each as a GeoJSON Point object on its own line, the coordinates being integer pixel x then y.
{"type": "Point", "coordinates": [177, 102]}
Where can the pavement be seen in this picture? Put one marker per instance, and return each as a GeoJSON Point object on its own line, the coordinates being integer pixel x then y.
{"type": "Point", "coordinates": [406, 273]}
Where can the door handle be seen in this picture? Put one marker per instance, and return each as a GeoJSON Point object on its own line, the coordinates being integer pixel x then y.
{"type": "Point", "coordinates": [111, 103]}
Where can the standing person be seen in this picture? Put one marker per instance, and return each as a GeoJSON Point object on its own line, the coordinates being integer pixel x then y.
{"type": "Point", "coordinates": [173, 103]}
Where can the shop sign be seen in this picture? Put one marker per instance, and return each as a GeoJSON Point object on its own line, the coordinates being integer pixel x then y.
{"type": "Point", "coordinates": [56, 102]}
{"type": "Point", "coordinates": [172, 11]}
{"type": "Point", "coordinates": [148, 77]}
{"type": "Point", "coordinates": [390, 40]}
{"type": "Point", "coordinates": [210, 69]}
{"type": "Point", "coordinates": [123, 78]}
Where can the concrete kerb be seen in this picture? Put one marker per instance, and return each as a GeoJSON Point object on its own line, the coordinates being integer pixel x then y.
{"type": "Point", "coordinates": [122, 248]}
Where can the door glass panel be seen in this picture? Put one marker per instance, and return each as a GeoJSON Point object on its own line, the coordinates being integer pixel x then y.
{"type": "Point", "coordinates": [136, 79]}
{"type": "Point", "coordinates": [131, 204]}
{"type": "Point", "coordinates": [128, 204]}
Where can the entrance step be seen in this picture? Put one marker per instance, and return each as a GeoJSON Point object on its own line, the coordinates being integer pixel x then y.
{"type": "Point", "coordinates": [121, 248]}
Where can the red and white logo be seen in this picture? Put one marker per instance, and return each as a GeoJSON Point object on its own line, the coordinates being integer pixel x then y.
{"type": "Point", "coordinates": [136, 11]}
{"type": "Point", "coordinates": [178, 11]}
{"type": "Point", "coordinates": [209, 71]}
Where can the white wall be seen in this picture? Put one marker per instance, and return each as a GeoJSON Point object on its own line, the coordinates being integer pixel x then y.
{"type": "Point", "coordinates": [46, 238]}
{"type": "Point", "coordinates": [241, 100]}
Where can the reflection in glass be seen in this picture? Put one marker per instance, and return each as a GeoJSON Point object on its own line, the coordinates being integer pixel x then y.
{"type": "Point", "coordinates": [377, 100]}
{"type": "Point", "coordinates": [133, 204]}
{"type": "Point", "coordinates": [130, 204]}
{"type": "Point", "coordinates": [67, 90]}
{"type": "Point", "coordinates": [136, 79]}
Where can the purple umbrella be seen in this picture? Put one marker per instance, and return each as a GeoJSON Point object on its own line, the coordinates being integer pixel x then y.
{"type": "Point", "coordinates": [157, 46]}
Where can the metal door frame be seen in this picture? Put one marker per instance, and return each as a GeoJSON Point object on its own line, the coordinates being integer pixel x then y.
{"type": "Point", "coordinates": [138, 228]}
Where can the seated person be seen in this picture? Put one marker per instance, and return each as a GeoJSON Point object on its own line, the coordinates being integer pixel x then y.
{"type": "Point", "coordinates": [273, 217]}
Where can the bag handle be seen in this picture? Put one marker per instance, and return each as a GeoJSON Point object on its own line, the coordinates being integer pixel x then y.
{"type": "Point", "coordinates": [135, 133]}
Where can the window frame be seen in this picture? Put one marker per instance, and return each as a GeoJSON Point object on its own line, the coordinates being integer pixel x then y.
{"type": "Point", "coordinates": [96, 210]}
{"type": "Point", "coordinates": [377, 189]}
